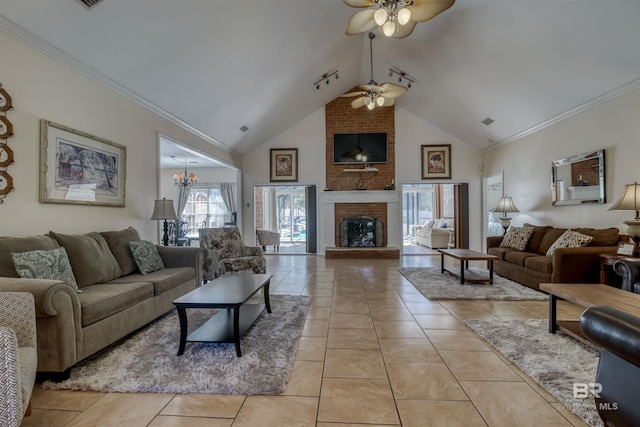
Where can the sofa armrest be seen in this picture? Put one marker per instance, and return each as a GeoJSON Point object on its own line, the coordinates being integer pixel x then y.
{"type": "Point", "coordinates": [614, 330]}
{"type": "Point", "coordinates": [578, 265]}
{"type": "Point", "coordinates": [10, 395]}
{"type": "Point", "coordinates": [629, 269]}
{"type": "Point", "coordinates": [45, 293]}
{"type": "Point", "coordinates": [182, 256]}
{"type": "Point", "coordinates": [494, 241]}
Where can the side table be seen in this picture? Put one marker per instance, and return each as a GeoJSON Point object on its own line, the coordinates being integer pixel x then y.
{"type": "Point", "coordinates": [607, 275]}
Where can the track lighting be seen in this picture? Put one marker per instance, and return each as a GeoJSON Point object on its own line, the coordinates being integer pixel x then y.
{"type": "Point", "coordinates": [326, 79]}
{"type": "Point", "coordinates": [401, 76]}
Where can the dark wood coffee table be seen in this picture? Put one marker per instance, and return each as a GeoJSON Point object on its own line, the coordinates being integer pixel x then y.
{"type": "Point", "coordinates": [466, 255]}
{"type": "Point", "coordinates": [586, 295]}
{"type": "Point", "coordinates": [229, 293]}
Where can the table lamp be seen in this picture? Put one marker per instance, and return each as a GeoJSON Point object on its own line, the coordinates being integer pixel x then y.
{"type": "Point", "coordinates": [630, 201]}
{"type": "Point", "coordinates": [505, 206]}
{"type": "Point", "coordinates": [163, 210]}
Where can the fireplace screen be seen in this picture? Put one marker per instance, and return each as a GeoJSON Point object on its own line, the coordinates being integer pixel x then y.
{"type": "Point", "coordinates": [361, 231]}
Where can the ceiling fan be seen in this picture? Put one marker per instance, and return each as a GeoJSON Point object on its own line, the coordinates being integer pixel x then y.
{"type": "Point", "coordinates": [373, 95]}
{"type": "Point", "coordinates": [397, 18]}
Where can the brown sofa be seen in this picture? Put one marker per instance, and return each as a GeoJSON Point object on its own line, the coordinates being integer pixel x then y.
{"type": "Point", "coordinates": [114, 298]}
{"type": "Point", "coordinates": [567, 265]}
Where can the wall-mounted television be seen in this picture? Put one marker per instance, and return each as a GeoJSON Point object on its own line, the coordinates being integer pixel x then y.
{"type": "Point", "coordinates": [349, 148]}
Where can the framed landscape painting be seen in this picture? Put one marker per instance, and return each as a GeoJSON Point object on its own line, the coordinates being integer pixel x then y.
{"type": "Point", "coordinates": [79, 168]}
{"type": "Point", "coordinates": [436, 161]}
{"type": "Point", "coordinates": [283, 165]}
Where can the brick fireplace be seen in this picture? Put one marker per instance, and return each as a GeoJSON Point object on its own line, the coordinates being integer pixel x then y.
{"type": "Point", "coordinates": [343, 200]}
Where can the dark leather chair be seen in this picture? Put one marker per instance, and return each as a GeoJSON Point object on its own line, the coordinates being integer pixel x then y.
{"type": "Point", "coordinates": [618, 334]}
{"type": "Point", "coordinates": [629, 269]}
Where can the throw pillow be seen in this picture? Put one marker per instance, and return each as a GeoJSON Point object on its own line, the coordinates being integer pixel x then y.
{"type": "Point", "coordinates": [443, 225]}
{"type": "Point", "coordinates": [569, 239]}
{"type": "Point", "coordinates": [90, 257]}
{"type": "Point", "coordinates": [146, 256]}
{"type": "Point", "coordinates": [40, 264]}
{"type": "Point", "coordinates": [517, 238]}
{"type": "Point", "coordinates": [428, 224]}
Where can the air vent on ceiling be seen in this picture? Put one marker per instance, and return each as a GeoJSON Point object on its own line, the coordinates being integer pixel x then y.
{"type": "Point", "coordinates": [90, 3]}
{"type": "Point", "coordinates": [487, 121]}
{"type": "Point", "coordinates": [244, 128]}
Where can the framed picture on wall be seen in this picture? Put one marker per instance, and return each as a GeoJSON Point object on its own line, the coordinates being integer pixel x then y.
{"type": "Point", "coordinates": [283, 165]}
{"type": "Point", "coordinates": [436, 161]}
{"type": "Point", "coordinates": [79, 168]}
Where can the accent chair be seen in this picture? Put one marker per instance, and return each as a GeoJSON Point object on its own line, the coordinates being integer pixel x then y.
{"type": "Point", "coordinates": [224, 252]}
{"type": "Point", "coordinates": [268, 238]}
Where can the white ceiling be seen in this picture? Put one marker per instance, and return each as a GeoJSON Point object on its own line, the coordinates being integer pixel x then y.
{"type": "Point", "coordinates": [217, 65]}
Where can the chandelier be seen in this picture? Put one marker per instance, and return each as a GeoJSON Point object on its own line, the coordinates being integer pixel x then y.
{"type": "Point", "coordinates": [183, 178]}
{"type": "Point", "coordinates": [396, 18]}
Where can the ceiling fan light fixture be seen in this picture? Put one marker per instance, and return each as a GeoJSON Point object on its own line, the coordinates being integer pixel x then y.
{"type": "Point", "coordinates": [380, 16]}
{"type": "Point", "coordinates": [371, 105]}
{"type": "Point", "coordinates": [404, 15]}
{"type": "Point", "coordinates": [380, 101]}
{"type": "Point", "coordinates": [389, 28]}
{"type": "Point", "coordinates": [367, 101]}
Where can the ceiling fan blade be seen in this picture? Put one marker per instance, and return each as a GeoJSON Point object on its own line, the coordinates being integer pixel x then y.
{"type": "Point", "coordinates": [357, 103]}
{"type": "Point", "coordinates": [423, 10]}
{"type": "Point", "coordinates": [361, 22]}
{"type": "Point", "coordinates": [388, 102]}
{"type": "Point", "coordinates": [404, 30]}
{"type": "Point", "coordinates": [347, 95]}
{"type": "Point", "coordinates": [370, 87]}
{"type": "Point", "coordinates": [392, 90]}
{"type": "Point", "coordinates": [360, 3]}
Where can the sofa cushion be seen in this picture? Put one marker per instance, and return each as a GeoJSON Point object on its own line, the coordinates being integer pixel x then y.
{"type": "Point", "coordinates": [162, 280]}
{"type": "Point", "coordinates": [428, 224]}
{"type": "Point", "coordinates": [601, 237]}
{"type": "Point", "coordinates": [517, 238]}
{"type": "Point", "coordinates": [498, 251]}
{"type": "Point", "coordinates": [549, 239]}
{"type": "Point", "coordinates": [118, 242]}
{"type": "Point", "coordinates": [569, 239]}
{"type": "Point", "coordinates": [533, 245]}
{"type": "Point", "coordinates": [146, 256]}
{"type": "Point", "coordinates": [98, 302]}
{"type": "Point", "coordinates": [543, 264]}
{"type": "Point", "coordinates": [518, 257]}
{"type": "Point", "coordinates": [9, 245]}
{"type": "Point", "coordinates": [52, 264]}
{"type": "Point", "coordinates": [90, 257]}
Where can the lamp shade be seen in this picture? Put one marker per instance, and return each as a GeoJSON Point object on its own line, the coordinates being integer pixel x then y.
{"type": "Point", "coordinates": [505, 205]}
{"type": "Point", "coordinates": [629, 200]}
{"type": "Point", "coordinates": [163, 209]}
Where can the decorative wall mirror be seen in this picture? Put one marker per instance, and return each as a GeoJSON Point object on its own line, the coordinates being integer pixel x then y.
{"type": "Point", "coordinates": [578, 179]}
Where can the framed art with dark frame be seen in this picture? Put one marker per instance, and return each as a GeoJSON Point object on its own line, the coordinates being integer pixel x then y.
{"type": "Point", "coordinates": [436, 161]}
{"type": "Point", "coordinates": [283, 165]}
{"type": "Point", "coordinates": [627, 249]}
{"type": "Point", "coordinates": [80, 168]}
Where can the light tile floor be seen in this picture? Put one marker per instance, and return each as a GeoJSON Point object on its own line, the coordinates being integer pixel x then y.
{"type": "Point", "coordinates": [374, 351]}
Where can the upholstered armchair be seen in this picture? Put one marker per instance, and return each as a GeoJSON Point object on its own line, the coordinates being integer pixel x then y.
{"type": "Point", "coordinates": [18, 356]}
{"type": "Point", "coordinates": [629, 269]}
{"type": "Point", "coordinates": [224, 252]}
{"type": "Point", "coordinates": [268, 238]}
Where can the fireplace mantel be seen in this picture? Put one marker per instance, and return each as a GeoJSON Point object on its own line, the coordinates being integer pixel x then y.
{"type": "Point", "coordinates": [392, 198]}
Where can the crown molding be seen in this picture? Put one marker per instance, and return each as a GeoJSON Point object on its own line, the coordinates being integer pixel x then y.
{"type": "Point", "coordinates": [27, 37]}
{"type": "Point", "coordinates": [634, 84]}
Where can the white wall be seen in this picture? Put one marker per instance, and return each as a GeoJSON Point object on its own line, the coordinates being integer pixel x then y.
{"type": "Point", "coordinates": [613, 126]}
{"type": "Point", "coordinates": [411, 132]}
{"type": "Point", "coordinates": [43, 88]}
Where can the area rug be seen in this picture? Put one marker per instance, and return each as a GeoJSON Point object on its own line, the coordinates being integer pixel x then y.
{"type": "Point", "coordinates": [146, 361]}
{"type": "Point", "coordinates": [435, 285]}
{"type": "Point", "coordinates": [555, 361]}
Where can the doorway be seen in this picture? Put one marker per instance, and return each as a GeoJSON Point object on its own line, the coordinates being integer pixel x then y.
{"type": "Point", "coordinates": [290, 212]}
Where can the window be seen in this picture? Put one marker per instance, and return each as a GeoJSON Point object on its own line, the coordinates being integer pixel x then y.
{"type": "Point", "coordinates": [205, 208]}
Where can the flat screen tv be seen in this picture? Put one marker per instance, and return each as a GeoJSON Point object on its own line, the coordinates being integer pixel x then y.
{"type": "Point", "coordinates": [350, 148]}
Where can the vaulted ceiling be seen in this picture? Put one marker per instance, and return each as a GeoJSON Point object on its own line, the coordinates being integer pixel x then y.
{"type": "Point", "coordinates": [218, 65]}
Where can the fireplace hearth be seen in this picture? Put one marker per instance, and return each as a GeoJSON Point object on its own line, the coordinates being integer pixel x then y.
{"type": "Point", "coordinates": [361, 231]}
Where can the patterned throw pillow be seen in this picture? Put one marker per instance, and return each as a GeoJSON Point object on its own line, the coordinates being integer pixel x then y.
{"type": "Point", "coordinates": [40, 264]}
{"type": "Point", "coordinates": [517, 238]}
{"type": "Point", "coordinates": [146, 256]}
{"type": "Point", "coordinates": [569, 239]}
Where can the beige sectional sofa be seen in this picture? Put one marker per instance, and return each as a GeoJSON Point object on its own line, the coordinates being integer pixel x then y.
{"type": "Point", "coordinates": [434, 233]}
{"type": "Point", "coordinates": [112, 298]}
